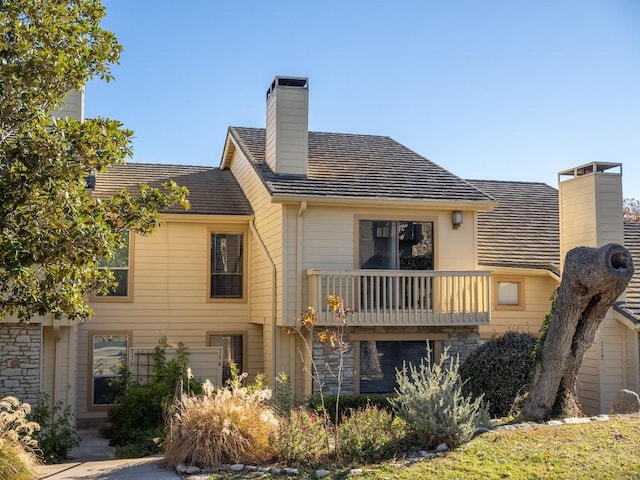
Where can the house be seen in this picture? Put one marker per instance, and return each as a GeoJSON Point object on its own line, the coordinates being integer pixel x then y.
{"type": "Point", "coordinates": [523, 242]}
{"type": "Point", "coordinates": [290, 217]}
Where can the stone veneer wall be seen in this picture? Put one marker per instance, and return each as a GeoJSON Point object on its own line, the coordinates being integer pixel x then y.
{"type": "Point", "coordinates": [460, 340]}
{"type": "Point", "coordinates": [20, 346]}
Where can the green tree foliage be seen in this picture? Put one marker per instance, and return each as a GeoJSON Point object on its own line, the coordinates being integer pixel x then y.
{"type": "Point", "coordinates": [499, 369]}
{"type": "Point", "coordinates": [52, 231]}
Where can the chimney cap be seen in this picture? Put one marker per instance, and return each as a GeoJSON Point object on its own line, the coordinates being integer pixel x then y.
{"type": "Point", "coordinates": [297, 82]}
{"type": "Point", "coordinates": [593, 167]}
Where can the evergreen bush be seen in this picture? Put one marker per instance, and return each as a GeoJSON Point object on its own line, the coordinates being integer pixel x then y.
{"type": "Point", "coordinates": [431, 401]}
{"type": "Point", "coordinates": [499, 369]}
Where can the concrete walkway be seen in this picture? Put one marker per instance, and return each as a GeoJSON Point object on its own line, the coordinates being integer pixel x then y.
{"type": "Point", "coordinates": [93, 460]}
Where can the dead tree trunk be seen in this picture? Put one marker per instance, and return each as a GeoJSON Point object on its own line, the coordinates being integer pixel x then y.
{"type": "Point", "coordinates": [592, 280]}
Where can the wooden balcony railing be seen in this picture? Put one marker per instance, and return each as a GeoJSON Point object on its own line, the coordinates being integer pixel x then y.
{"type": "Point", "coordinates": [403, 297]}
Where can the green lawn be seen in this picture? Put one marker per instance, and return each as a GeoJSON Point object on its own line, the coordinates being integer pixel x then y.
{"type": "Point", "coordinates": [598, 450]}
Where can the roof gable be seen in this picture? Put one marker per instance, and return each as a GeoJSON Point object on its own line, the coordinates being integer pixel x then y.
{"type": "Point", "coordinates": [358, 166]}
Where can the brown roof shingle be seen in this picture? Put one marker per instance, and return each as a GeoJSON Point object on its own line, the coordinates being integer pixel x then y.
{"type": "Point", "coordinates": [363, 166]}
{"type": "Point", "coordinates": [211, 191]}
{"type": "Point", "coordinates": [523, 231]}
{"type": "Point", "coordinates": [632, 243]}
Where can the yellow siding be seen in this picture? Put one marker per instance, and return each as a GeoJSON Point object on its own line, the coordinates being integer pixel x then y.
{"type": "Point", "coordinates": [613, 353]}
{"type": "Point", "coordinates": [588, 384]}
{"type": "Point", "coordinates": [537, 293]}
{"type": "Point", "coordinates": [266, 255]}
{"type": "Point", "coordinates": [170, 299]}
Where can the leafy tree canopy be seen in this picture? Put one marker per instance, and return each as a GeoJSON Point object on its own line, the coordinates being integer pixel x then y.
{"type": "Point", "coordinates": [631, 209]}
{"type": "Point", "coordinates": [53, 231]}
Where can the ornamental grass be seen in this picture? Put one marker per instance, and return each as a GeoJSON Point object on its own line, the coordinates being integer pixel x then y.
{"type": "Point", "coordinates": [17, 456]}
{"type": "Point", "coordinates": [221, 426]}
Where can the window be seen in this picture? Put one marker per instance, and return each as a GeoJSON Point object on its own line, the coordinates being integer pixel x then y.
{"type": "Point", "coordinates": [232, 352]}
{"type": "Point", "coordinates": [396, 245]}
{"type": "Point", "coordinates": [380, 359]}
{"type": "Point", "coordinates": [227, 265]}
{"type": "Point", "coordinates": [508, 294]}
{"type": "Point", "coordinates": [108, 360]}
{"type": "Point", "coordinates": [119, 265]}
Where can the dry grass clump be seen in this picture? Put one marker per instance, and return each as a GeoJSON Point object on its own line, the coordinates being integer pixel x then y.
{"type": "Point", "coordinates": [17, 458]}
{"type": "Point", "coordinates": [219, 427]}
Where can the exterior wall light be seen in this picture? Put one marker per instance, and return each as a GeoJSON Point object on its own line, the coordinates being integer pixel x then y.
{"type": "Point", "coordinates": [456, 218]}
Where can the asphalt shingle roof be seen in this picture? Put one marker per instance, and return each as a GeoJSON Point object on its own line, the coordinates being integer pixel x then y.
{"type": "Point", "coordinates": [211, 191]}
{"type": "Point", "coordinates": [360, 166]}
{"type": "Point", "coordinates": [523, 231]}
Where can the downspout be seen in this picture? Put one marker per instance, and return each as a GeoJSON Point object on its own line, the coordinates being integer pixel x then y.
{"type": "Point", "coordinates": [299, 246]}
{"type": "Point", "coordinates": [56, 330]}
{"type": "Point", "coordinates": [300, 239]}
{"type": "Point", "coordinates": [274, 300]}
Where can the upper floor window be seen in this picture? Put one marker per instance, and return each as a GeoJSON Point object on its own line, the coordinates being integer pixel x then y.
{"type": "Point", "coordinates": [396, 245]}
{"type": "Point", "coordinates": [227, 265]}
{"type": "Point", "coordinates": [120, 266]}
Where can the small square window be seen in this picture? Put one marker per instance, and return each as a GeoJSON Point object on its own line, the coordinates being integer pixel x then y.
{"type": "Point", "coordinates": [509, 293]}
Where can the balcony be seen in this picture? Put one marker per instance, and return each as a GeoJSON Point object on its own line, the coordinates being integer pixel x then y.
{"type": "Point", "coordinates": [403, 297]}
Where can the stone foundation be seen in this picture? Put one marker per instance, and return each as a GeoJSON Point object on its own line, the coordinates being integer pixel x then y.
{"type": "Point", "coordinates": [20, 346]}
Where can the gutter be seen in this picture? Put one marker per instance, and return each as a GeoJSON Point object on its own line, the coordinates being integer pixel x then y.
{"type": "Point", "coordinates": [348, 201]}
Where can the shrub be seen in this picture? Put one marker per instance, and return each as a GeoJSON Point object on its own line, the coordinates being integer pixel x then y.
{"type": "Point", "coordinates": [499, 369]}
{"type": "Point", "coordinates": [136, 417]}
{"type": "Point", "coordinates": [17, 457]}
{"type": "Point", "coordinates": [369, 434]}
{"type": "Point", "coordinates": [224, 425]}
{"type": "Point", "coordinates": [301, 438]}
{"type": "Point", "coordinates": [56, 435]}
{"type": "Point", "coordinates": [430, 400]}
{"type": "Point", "coordinates": [350, 403]}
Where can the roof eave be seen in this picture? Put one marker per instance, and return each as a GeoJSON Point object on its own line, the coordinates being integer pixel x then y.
{"type": "Point", "coordinates": [187, 217]}
{"type": "Point", "coordinates": [626, 318]}
{"type": "Point", "coordinates": [343, 200]}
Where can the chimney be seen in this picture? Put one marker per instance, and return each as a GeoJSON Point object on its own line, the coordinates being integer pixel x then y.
{"type": "Point", "coordinates": [590, 202]}
{"type": "Point", "coordinates": [287, 141]}
{"type": "Point", "coordinates": [72, 106]}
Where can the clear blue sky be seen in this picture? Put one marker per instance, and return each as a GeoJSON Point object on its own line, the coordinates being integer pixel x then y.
{"type": "Point", "coordinates": [492, 89]}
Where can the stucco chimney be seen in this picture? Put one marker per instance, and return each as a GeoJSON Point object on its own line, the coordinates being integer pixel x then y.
{"type": "Point", "coordinates": [287, 141]}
